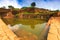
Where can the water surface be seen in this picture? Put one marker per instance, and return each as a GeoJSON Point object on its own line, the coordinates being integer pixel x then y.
{"type": "Point", "coordinates": [29, 29]}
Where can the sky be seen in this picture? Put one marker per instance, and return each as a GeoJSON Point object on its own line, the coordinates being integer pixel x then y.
{"type": "Point", "coordinates": [46, 4]}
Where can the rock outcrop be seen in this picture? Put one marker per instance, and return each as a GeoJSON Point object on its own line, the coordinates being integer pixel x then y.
{"type": "Point", "coordinates": [6, 33]}
{"type": "Point", "coordinates": [54, 31]}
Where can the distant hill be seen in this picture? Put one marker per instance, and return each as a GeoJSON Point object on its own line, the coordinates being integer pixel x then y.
{"type": "Point", "coordinates": [29, 10]}
{"type": "Point", "coordinates": [26, 12]}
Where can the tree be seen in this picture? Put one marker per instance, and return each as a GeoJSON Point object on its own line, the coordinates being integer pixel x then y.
{"type": "Point", "coordinates": [11, 7]}
{"type": "Point", "coordinates": [33, 7]}
{"type": "Point", "coordinates": [57, 11]}
{"type": "Point", "coordinates": [33, 4]}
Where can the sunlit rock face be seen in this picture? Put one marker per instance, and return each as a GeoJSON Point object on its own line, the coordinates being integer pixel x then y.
{"type": "Point", "coordinates": [54, 31]}
{"type": "Point", "coordinates": [6, 33]}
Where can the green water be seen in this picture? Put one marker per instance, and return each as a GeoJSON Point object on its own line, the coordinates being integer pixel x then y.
{"type": "Point", "coordinates": [34, 26]}
{"type": "Point", "coordinates": [31, 22]}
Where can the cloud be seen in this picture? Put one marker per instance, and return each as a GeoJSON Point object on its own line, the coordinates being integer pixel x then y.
{"type": "Point", "coordinates": [52, 5]}
{"type": "Point", "coordinates": [6, 3]}
{"type": "Point", "coordinates": [47, 4]}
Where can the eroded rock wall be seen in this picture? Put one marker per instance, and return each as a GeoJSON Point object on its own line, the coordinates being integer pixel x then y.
{"type": "Point", "coordinates": [6, 33]}
{"type": "Point", "coordinates": [54, 31]}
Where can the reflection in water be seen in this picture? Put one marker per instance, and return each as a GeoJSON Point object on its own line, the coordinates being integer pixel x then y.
{"type": "Point", "coordinates": [15, 27]}
{"type": "Point", "coordinates": [28, 29]}
{"type": "Point", "coordinates": [29, 33]}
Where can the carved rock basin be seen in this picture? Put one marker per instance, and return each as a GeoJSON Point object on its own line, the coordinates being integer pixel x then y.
{"type": "Point", "coordinates": [28, 29]}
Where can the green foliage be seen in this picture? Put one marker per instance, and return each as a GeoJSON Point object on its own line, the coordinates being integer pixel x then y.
{"type": "Point", "coordinates": [56, 11]}
{"type": "Point", "coordinates": [33, 4]}
{"type": "Point", "coordinates": [16, 9]}
{"type": "Point", "coordinates": [17, 15]}
{"type": "Point", "coordinates": [23, 21]}
{"type": "Point", "coordinates": [11, 7]}
{"type": "Point", "coordinates": [24, 7]}
{"type": "Point", "coordinates": [27, 13]}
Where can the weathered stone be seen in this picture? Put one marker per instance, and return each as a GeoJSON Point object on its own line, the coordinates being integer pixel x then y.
{"type": "Point", "coordinates": [6, 33]}
{"type": "Point", "coordinates": [54, 32]}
